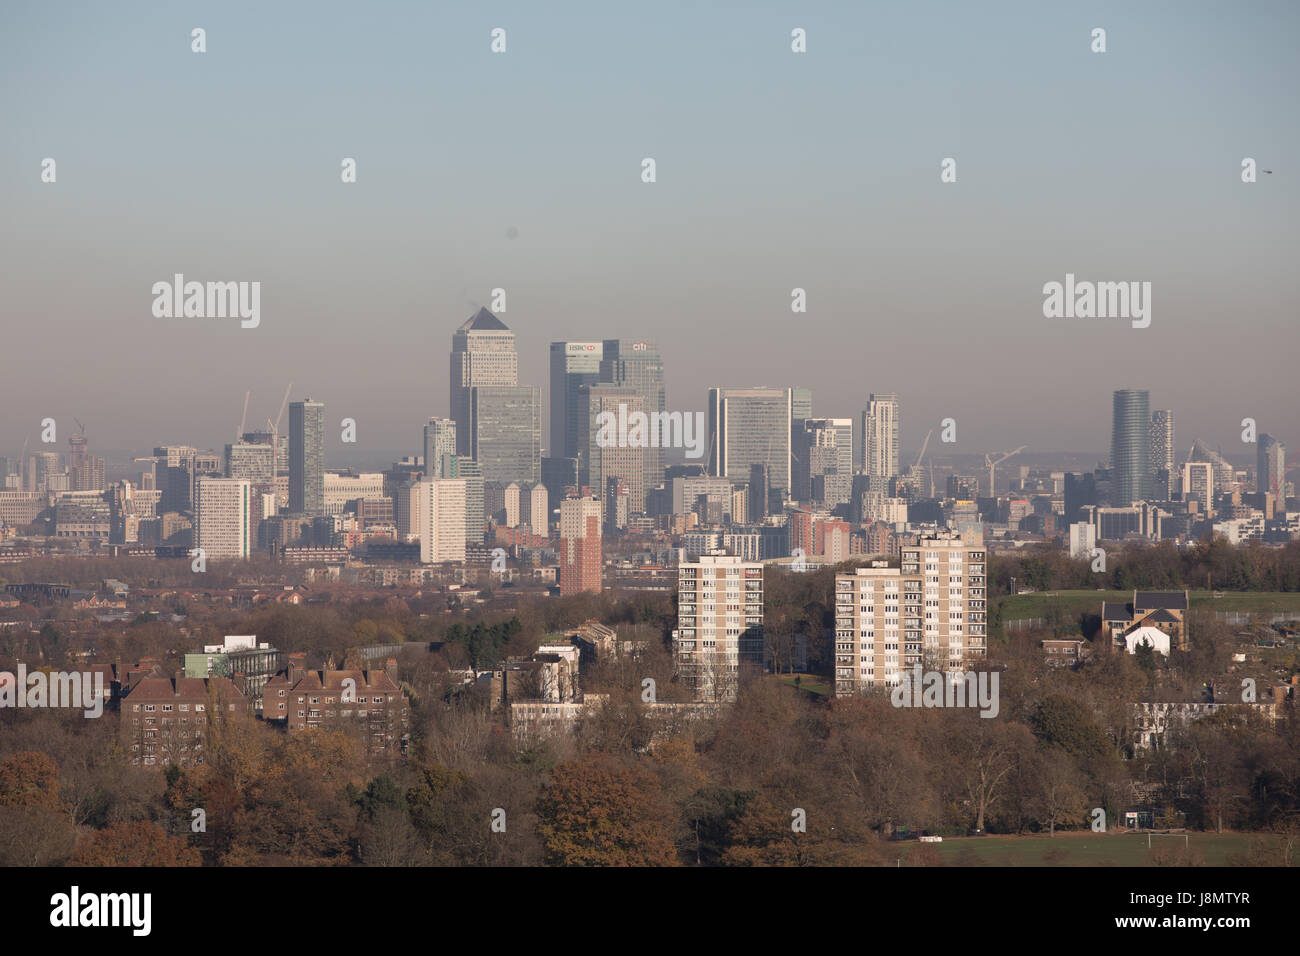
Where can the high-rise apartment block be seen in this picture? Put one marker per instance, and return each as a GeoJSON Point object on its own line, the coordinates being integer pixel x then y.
{"type": "Point", "coordinates": [437, 514]}
{"type": "Point", "coordinates": [719, 623]}
{"type": "Point", "coordinates": [880, 436]}
{"type": "Point", "coordinates": [1130, 447]}
{"type": "Point", "coordinates": [1163, 469]}
{"type": "Point", "coordinates": [931, 610]}
{"type": "Point", "coordinates": [222, 522]}
{"type": "Point", "coordinates": [439, 443]}
{"type": "Point", "coordinates": [307, 457]}
{"type": "Point", "coordinates": [581, 559]}
{"type": "Point", "coordinates": [1271, 467]}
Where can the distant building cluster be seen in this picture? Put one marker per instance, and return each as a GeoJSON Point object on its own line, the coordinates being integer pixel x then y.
{"type": "Point", "coordinates": [626, 490]}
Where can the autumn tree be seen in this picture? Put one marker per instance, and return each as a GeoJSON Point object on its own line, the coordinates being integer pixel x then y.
{"type": "Point", "coordinates": [29, 779]}
{"type": "Point", "coordinates": [599, 812]}
{"type": "Point", "coordinates": [134, 844]}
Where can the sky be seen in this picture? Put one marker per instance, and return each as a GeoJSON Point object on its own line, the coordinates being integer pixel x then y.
{"type": "Point", "coordinates": [774, 170]}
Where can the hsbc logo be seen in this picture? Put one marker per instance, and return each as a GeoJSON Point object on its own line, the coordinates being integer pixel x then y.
{"type": "Point", "coordinates": [581, 348]}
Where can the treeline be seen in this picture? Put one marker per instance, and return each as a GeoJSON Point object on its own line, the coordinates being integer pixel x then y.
{"type": "Point", "coordinates": [776, 779]}
{"type": "Point", "coordinates": [1207, 565]}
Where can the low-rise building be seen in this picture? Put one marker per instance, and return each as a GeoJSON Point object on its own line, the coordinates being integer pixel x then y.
{"type": "Point", "coordinates": [165, 719]}
{"type": "Point", "coordinates": [303, 699]}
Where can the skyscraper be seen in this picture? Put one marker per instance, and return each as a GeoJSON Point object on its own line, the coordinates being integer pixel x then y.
{"type": "Point", "coordinates": [307, 457]}
{"type": "Point", "coordinates": [1271, 467]}
{"type": "Point", "coordinates": [558, 475]}
{"type": "Point", "coordinates": [599, 458]}
{"type": "Point", "coordinates": [573, 365]}
{"type": "Point", "coordinates": [1130, 447]}
{"type": "Point", "coordinates": [1162, 451]}
{"type": "Point", "coordinates": [637, 365]}
{"type": "Point", "coordinates": [482, 353]}
{"type": "Point", "coordinates": [749, 426]}
{"type": "Point", "coordinates": [85, 471]}
{"type": "Point", "coordinates": [879, 442]}
{"type": "Point", "coordinates": [505, 432]}
{"type": "Point", "coordinates": [439, 442]}
{"type": "Point", "coordinates": [823, 449]}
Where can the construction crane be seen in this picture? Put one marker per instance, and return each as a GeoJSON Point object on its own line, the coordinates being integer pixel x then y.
{"type": "Point", "coordinates": [916, 473]}
{"type": "Point", "coordinates": [239, 435]}
{"type": "Point", "coordinates": [924, 445]}
{"type": "Point", "coordinates": [992, 465]}
{"type": "Point", "coordinates": [275, 432]}
{"type": "Point", "coordinates": [79, 425]}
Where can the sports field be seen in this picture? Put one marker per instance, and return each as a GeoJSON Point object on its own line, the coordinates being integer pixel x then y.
{"type": "Point", "coordinates": [1085, 848]}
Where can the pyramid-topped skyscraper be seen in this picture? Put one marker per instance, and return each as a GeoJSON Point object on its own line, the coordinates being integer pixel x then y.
{"type": "Point", "coordinates": [482, 354]}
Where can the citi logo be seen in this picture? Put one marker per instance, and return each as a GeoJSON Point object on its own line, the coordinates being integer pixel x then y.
{"type": "Point", "coordinates": [1098, 300]}
{"type": "Point", "coordinates": [208, 300]}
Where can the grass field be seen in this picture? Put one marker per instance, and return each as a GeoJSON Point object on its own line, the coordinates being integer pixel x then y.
{"type": "Point", "coordinates": [1074, 603]}
{"type": "Point", "coordinates": [809, 683]}
{"type": "Point", "coordinates": [1083, 848]}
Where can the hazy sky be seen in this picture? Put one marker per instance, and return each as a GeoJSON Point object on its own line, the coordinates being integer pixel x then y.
{"type": "Point", "coordinates": [775, 170]}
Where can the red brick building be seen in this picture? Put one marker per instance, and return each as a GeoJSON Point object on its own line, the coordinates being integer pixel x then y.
{"type": "Point", "coordinates": [302, 699]}
{"type": "Point", "coordinates": [165, 719]}
{"type": "Point", "coordinates": [581, 560]}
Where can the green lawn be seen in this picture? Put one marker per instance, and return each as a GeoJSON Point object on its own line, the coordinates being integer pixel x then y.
{"type": "Point", "coordinates": [813, 684]}
{"type": "Point", "coordinates": [1080, 848]}
{"type": "Point", "coordinates": [1073, 603]}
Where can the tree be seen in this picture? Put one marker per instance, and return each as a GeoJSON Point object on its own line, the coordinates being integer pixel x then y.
{"type": "Point", "coordinates": [1061, 799]}
{"type": "Point", "coordinates": [983, 753]}
{"type": "Point", "coordinates": [134, 844]}
{"type": "Point", "coordinates": [30, 779]}
{"type": "Point", "coordinates": [599, 812]}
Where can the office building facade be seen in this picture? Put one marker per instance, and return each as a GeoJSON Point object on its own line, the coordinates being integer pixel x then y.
{"type": "Point", "coordinates": [482, 354]}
